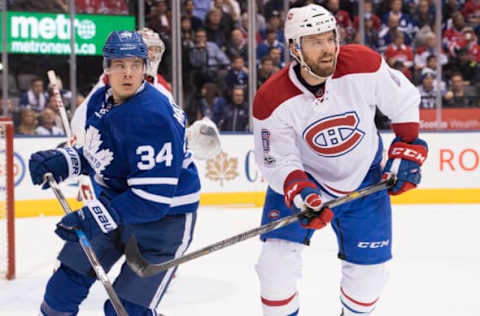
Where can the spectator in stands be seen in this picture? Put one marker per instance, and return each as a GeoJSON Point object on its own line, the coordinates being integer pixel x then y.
{"type": "Point", "coordinates": [160, 19]}
{"type": "Point", "coordinates": [270, 42]}
{"type": "Point", "coordinates": [471, 12]}
{"type": "Point", "coordinates": [188, 9]}
{"type": "Point", "coordinates": [471, 42]}
{"type": "Point", "coordinates": [343, 20]}
{"type": "Point", "coordinates": [234, 116]}
{"type": "Point", "coordinates": [28, 122]}
{"type": "Point", "coordinates": [428, 92]}
{"type": "Point", "coordinates": [426, 50]}
{"type": "Point", "coordinates": [237, 76]}
{"type": "Point", "coordinates": [79, 100]}
{"type": "Point", "coordinates": [276, 55]}
{"type": "Point", "coordinates": [65, 94]}
{"type": "Point", "coordinates": [36, 97]}
{"type": "Point", "coordinates": [385, 37]}
{"type": "Point", "coordinates": [205, 106]}
{"type": "Point", "coordinates": [265, 71]}
{"type": "Point", "coordinates": [237, 45]}
{"type": "Point", "coordinates": [464, 64]}
{"type": "Point", "coordinates": [369, 15]}
{"type": "Point", "coordinates": [47, 124]}
{"type": "Point", "coordinates": [424, 15]}
{"type": "Point", "coordinates": [244, 28]}
{"type": "Point", "coordinates": [460, 95]}
{"type": "Point", "coordinates": [453, 36]}
{"type": "Point", "coordinates": [9, 110]}
{"type": "Point", "coordinates": [274, 23]}
{"type": "Point", "coordinates": [53, 105]}
{"type": "Point", "coordinates": [405, 22]}
{"type": "Point", "coordinates": [206, 59]}
{"type": "Point", "coordinates": [201, 8]}
{"type": "Point", "coordinates": [399, 51]}
{"type": "Point", "coordinates": [230, 7]}
{"type": "Point", "coordinates": [218, 26]}
{"type": "Point", "coordinates": [114, 7]}
{"type": "Point", "coordinates": [448, 8]}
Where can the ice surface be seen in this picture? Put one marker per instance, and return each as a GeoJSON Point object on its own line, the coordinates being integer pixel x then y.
{"type": "Point", "coordinates": [435, 270]}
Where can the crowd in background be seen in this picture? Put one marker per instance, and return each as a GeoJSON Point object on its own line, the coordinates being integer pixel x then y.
{"type": "Point", "coordinates": [215, 52]}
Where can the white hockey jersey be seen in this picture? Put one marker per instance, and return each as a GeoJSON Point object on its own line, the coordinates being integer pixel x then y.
{"type": "Point", "coordinates": [80, 115]}
{"type": "Point", "coordinates": [332, 138]}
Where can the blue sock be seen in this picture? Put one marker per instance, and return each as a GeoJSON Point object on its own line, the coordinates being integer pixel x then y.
{"type": "Point", "coordinates": [295, 313]}
{"type": "Point", "coordinates": [65, 290]}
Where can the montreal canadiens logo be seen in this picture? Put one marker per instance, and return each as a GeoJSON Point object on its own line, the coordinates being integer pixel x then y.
{"type": "Point", "coordinates": [334, 135]}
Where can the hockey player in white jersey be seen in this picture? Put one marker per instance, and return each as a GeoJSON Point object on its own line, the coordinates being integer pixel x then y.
{"type": "Point", "coordinates": [147, 183]}
{"type": "Point", "coordinates": [203, 136]}
{"type": "Point", "coordinates": [315, 139]}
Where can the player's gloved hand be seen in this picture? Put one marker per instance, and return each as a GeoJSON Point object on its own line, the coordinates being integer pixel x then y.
{"type": "Point", "coordinates": [204, 139]}
{"type": "Point", "coordinates": [61, 163]}
{"type": "Point", "coordinates": [404, 161]}
{"type": "Point", "coordinates": [305, 195]}
{"type": "Point", "coordinates": [96, 218]}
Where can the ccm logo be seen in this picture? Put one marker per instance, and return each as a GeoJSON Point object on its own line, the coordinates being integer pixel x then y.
{"type": "Point", "coordinates": [373, 244]}
{"type": "Point", "coordinates": [408, 153]}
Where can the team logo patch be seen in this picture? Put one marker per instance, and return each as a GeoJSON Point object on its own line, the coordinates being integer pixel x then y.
{"type": "Point", "coordinates": [274, 214]}
{"type": "Point", "coordinates": [268, 159]}
{"type": "Point", "coordinates": [334, 136]}
{"type": "Point", "coordinates": [98, 158]}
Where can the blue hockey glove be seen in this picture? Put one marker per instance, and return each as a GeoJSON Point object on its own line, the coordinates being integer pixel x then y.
{"type": "Point", "coordinates": [62, 163]}
{"type": "Point", "coordinates": [96, 218]}
{"type": "Point", "coordinates": [302, 195]}
{"type": "Point", "coordinates": [404, 161]}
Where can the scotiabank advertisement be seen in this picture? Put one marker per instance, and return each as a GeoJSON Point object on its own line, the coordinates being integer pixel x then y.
{"type": "Point", "coordinates": [455, 119]}
{"type": "Point", "coordinates": [451, 174]}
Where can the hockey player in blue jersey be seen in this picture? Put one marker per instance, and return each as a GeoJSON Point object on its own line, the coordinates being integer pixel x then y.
{"type": "Point", "coordinates": [135, 148]}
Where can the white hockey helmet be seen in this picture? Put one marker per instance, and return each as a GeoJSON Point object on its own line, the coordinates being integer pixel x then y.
{"type": "Point", "coordinates": [152, 39]}
{"type": "Point", "coordinates": [308, 20]}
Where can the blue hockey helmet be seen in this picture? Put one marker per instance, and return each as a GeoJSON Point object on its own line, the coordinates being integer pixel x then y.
{"type": "Point", "coordinates": [124, 44]}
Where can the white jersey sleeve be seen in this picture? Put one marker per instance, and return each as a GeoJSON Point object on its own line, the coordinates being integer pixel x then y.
{"type": "Point", "coordinates": [396, 96]}
{"type": "Point", "coordinates": [80, 115]}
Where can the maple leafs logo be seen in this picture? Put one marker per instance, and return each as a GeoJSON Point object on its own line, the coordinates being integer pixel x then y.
{"type": "Point", "coordinates": [222, 168]}
{"type": "Point", "coordinates": [98, 159]}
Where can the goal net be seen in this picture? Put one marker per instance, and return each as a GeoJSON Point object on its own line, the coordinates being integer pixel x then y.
{"type": "Point", "coordinates": [7, 213]}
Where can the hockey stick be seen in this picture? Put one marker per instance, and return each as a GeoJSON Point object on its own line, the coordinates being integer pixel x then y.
{"type": "Point", "coordinates": [87, 248]}
{"type": "Point", "coordinates": [86, 191]}
{"type": "Point", "coordinates": [144, 268]}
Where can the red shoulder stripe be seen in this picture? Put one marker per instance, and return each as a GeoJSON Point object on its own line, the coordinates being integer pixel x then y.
{"type": "Point", "coordinates": [354, 59]}
{"type": "Point", "coordinates": [272, 93]}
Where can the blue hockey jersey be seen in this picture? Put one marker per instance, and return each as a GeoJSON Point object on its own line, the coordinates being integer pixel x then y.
{"type": "Point", "coordinates": [137, 154]}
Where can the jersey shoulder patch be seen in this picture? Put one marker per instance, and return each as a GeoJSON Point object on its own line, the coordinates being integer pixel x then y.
{"type": "Point", "coordinates": [355, 59]}
{"type": "Point", "coordinates": [274, 92]}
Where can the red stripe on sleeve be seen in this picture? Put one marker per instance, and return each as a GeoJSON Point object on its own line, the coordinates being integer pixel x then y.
{"type": "Point", "coordinates": [406, 131]}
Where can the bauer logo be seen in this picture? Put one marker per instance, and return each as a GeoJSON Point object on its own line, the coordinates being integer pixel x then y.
{"type": "Point", "coordinates": [334, 135]}
{"type": "Point", "coordinates": [274, 214]}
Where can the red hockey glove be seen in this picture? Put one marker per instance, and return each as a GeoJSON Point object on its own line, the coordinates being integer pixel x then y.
{"type": "Point", "coordinates": [404, 161]}
{"type": "Point", "coordinates": [304, 195]}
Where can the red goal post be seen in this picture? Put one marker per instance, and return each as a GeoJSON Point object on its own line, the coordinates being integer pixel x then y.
{"type": "Point", "coordinates": [7, 211]}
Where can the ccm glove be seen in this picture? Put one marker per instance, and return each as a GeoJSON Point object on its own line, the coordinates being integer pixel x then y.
{"type": "Point", "coordinates": [61, 163]}
{"type": "Point", "coordinates": [96, 218]}
{"type": "Point", "coordinates": [404, 161]}
{"type": "Point", "coordinates": [304, 195]}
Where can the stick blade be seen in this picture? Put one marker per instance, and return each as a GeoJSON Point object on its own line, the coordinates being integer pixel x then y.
{"type": "Point", "coordinates": [135, 260]}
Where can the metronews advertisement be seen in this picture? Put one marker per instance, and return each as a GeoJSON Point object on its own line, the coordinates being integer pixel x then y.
{"type": "Point", "coordinates": [449, 175]}
{"type": "Point", "coordinates": [49, 33]}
